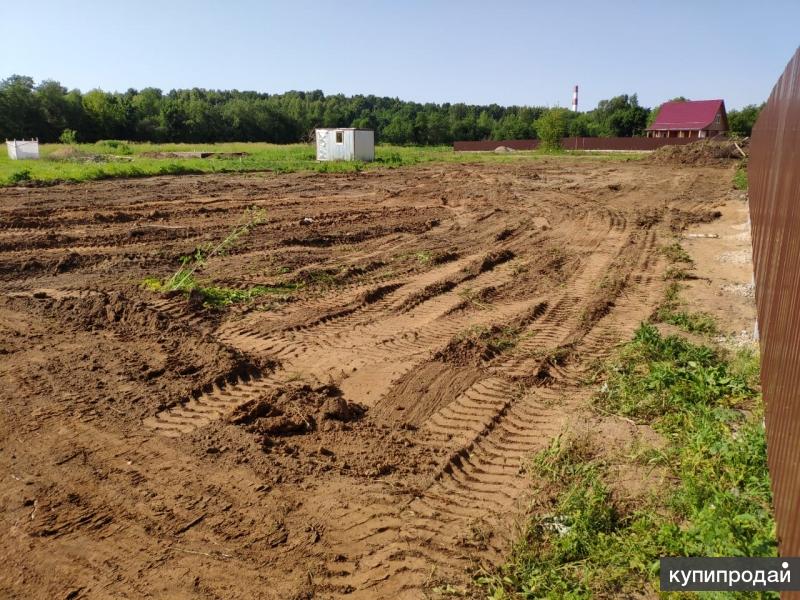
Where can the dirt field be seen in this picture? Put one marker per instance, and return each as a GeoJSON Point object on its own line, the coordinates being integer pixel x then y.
{"type": "Point", "coordinates": [365, 436]}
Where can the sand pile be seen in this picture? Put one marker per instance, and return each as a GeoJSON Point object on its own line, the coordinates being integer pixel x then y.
{"type": "Point", "coordinates": [701, 153]}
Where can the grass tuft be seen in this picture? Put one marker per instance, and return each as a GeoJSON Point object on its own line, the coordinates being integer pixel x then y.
{"type": "Point", "coordinates": [213, 296]}
{"type": "Point", "coordinates": [588, 539]}
{"type": "Point", "coordinates": [740, 178]}
{"type": "Point", "coordinates": [675, 253]}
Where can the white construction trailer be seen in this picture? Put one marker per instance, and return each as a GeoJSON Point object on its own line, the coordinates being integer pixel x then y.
{"type": "Point", "coordinates": [22, 149]}
{"type": "Point", "coordinates": [345, 143]}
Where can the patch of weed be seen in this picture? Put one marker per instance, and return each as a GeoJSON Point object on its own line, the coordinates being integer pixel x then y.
{"type": "Point", "coordinates": [675, 253]}
{"type": "Point", "coordinates": [677, 274]}
{"type": "Point", "coordinates": [213, 296]}
{"type": "Point", "coordinates": [669, 311]}
{"type": "Point", "coordinates": [740, 178]}
{"type": "Point", "coordinates": [19, 176]}
{"type": "Point", "coordinates": [588, 540]}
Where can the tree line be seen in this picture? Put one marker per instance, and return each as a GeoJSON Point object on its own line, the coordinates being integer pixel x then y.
{"type": "Point", "coordinates": [50, 111]}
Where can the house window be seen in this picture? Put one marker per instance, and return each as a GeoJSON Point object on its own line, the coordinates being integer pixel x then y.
{"type": "Point", "coordinates": [717, 119]}
{"type": "Point", "coordinates": [340, 137]}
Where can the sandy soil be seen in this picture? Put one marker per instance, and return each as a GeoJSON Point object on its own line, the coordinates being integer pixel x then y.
{"type": "Point", "coordinates": [367, 436]}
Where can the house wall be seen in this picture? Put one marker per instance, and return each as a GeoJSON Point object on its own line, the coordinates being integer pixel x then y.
{"type": "Point", "coordinates": [364, 145]}
{"type": "Point", "coordinates": [715, 128]}
{"type": "Point", "coordinates": [329, 149]}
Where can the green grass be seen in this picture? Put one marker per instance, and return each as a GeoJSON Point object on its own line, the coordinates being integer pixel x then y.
{"type": "Point", "coordinates": [213, 296]}
{"type": "Point", "coordinates": [740, 178]}
{"type": "Point", "coordinates": [589, 539]}
{"type": "Point", "coordinates": [698, 322]}
{"type": "Point", "coordinates": [113, 158]}
{"type": "Point", "coordinates": [675, 253]}
{"type": "Point", "coordinates": [671, 311]}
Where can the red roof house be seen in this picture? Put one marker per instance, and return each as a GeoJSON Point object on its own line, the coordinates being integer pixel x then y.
{"type": "Point", "coordinates": [690, 118]}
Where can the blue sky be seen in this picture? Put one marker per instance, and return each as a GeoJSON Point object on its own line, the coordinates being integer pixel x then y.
{"type": "Point", "coordinates": [508, 52]}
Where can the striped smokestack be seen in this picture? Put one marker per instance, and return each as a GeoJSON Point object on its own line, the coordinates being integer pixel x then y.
{"type": "Point", "coordinates": [575, 99]}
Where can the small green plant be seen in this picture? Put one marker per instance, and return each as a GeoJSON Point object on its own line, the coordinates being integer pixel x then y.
{"type": "Point", "coordinates": [698, 322]}
{"type": "Point", "coordinates": [181, 279]}
{"type": "Point", "coordinates": [115, 146]}
{"type": "Point", "coordinates": [68, 136]}
{"type": "Point", "coordinates": [424, 256]}
{"type": "Point", "coordinates": [675, 253]}
{"type": "Point", "coordinates": [740, 178]}
{"type": "Point", "coordinates": [20, 176]}
{"type": "Point", "coordinates": [669, 311]}
{"type": "Point", "coordinates": [213, 296]}
{"type": "Point", "coordinates": [219, 297]}
{"type": "Point", "coordinates": [677, 274]}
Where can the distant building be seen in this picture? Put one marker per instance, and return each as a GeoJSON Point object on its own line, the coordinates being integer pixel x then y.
{"type": "Point", "coordinates": [690, 118]}
{"type": "Point", "coordinates": [345, 143]}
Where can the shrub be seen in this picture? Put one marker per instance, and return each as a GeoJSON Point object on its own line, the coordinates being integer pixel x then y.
{"type": "Point", "coordinates": [68, 136]}
{"type": "Point", "coordinates": [551, 127]}
{"type": "Point", "coordinates": [20, 176]}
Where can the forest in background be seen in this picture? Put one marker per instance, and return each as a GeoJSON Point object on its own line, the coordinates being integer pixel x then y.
{"type": "Point", "coordinates": [51, 112]}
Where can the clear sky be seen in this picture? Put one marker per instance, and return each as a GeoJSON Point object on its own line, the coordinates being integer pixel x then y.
{"type": "Point", "coordinates": [507, 52]}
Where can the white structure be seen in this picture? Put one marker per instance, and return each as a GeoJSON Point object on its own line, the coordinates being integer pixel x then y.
{"type": "Point", "coordinates": [575, 99]}
{"type": "Point", "coordinates": [22, 149]}
{"type": "Point", "coordinates": [345, 143]}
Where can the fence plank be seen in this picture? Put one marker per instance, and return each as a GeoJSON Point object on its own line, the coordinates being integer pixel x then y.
{"type": "Point", "coordinates": [774, 174]}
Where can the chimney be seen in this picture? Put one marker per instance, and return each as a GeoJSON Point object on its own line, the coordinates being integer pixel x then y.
{"type": "Point", "coordinates": [575, 99]}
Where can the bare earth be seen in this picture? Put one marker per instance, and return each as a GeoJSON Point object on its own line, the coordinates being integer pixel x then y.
{"type": "Point", "coordinates": [364, 437]}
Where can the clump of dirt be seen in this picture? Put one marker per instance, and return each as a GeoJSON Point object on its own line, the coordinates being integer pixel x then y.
{"type": "Point", "coordinates": [647, 218]}
{"type": "Point", "coordinates": [487, 263]}
{"type": "Point", "coordinates": [601, 303]}
{"type": "Point", "coordinates": [699, 154]}
{"type": "Point", "coordinates": [444, 257]}
{"type": "Point", "coordinates": [373, 295]}
{"type": "Point", "coordinates": [681, 219]}
{"type": "Point", "coordinates": [336, 275]}
{"type": "Point", "coordinates": [504, 234]}
{"type": "Point", "coordinates": [101, 310]}
{"type": "Point", "coordinates": [429, 291]}
{"type": "Point", "coordinates": [294, 410]}
{"type": "Point", "coordinates": [479, 345]}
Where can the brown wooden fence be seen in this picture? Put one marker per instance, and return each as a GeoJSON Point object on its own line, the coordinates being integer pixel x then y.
{"type": "Point", "coordinates": [576, 143]}
{"type": "Point", "coordinates": [774, 173]}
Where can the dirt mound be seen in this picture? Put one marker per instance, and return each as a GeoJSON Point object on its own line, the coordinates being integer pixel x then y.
{"type": "Point", "coordinates": [681, 219]}
{"type": "Point", "coordinates": [294, 410]}
{"type": "Point", "coordinates": [503, 150]}
{"type": "Point", "coordinates": [68, 153]}
{"type": "Point", "coordinates": [699, 154]}
{"type": "Point", "coordinates": [71, 154]}
{"type": "Point", "coordinates": [478, 345]}
{"type": "Point", "coordinates": [102, 310]}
